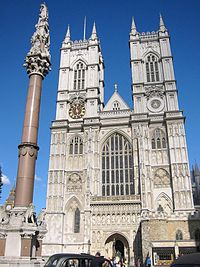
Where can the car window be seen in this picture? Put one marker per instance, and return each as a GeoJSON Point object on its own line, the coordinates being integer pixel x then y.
{"type": "Point", "coordinates": [71, 263]}
{"type": "Point", "coordinates": [85, 262]}
{"type": "Point", "coordinates": [52, 262]}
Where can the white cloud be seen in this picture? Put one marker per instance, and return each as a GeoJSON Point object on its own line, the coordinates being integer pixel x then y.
{"type": "Point", "coordinates": [37, 178]}
{"type": "Point", "coordinates": [5, 179]}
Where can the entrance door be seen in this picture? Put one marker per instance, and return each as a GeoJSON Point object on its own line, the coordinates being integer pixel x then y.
{"type": "Point", "coordinates": [117, 246]}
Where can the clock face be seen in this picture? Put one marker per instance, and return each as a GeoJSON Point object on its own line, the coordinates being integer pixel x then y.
{"type": "Point", "coordinates": [155, 104]}
{"type": "Point", "coordinates": [8, 207]}
{"type": "Point", "coordinates": [77, 110]}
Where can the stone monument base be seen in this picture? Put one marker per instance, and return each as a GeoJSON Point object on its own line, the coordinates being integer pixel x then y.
{"type": "Point", "coordinates": [21, 235]}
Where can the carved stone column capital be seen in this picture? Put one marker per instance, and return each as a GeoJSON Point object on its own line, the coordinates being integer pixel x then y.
{"type": "Point", "coordinates": [36, 64]}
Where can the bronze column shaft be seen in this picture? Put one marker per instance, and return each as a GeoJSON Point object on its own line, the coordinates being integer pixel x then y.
{"type": "Point", "coordinates": [28, 148]}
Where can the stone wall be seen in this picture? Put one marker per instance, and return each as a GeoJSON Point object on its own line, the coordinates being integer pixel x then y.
{"type": "Point", "coordinates": [163, 231]}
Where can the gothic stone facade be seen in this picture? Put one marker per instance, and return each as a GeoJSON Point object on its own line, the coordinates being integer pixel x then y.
{"type": "Point", "coordinates": [119, 177]}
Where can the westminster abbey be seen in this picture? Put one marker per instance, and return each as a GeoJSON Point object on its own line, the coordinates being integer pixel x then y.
{"type": "Point", "coordinates": [119, 179]}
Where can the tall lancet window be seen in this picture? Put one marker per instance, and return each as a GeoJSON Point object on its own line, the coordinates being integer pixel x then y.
{"type": "Point", "coordinates": [79, 76]}
{"type": "Point", "coordinates": [152, 69]}
{"type": "Point", "coordinates": [158, 140]}
{"type": "Point", "coordinates": [76, 146]}
{"type": "Point", "coordinates": [77, 221]}
{"type": "Point", "coordinates": [117, 166]}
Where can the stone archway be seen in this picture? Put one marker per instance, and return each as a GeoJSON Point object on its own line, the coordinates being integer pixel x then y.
{"type": "Point", "coordinates": [117, 245]}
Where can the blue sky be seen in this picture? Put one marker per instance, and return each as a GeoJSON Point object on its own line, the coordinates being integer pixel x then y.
{"type": "Point", "coordinates": [113, 22]}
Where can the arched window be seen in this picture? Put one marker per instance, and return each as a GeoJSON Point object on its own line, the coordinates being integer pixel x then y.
{"type": "Point", "coordinates": [153, 143]}
{"type": "Point", "coordinates": [160, 208]}
{"type": "Point", "coordinates": [116, 105]}
{"type": "Point", "coordinates": [179, 235]}
{"type": "Point", "coordinates": [117, 166]}
{"type": "Point", "coordinates": [77, 221]}
{"type": "Point", "coordinates": [158, 140]}
{"type": "Point", "coordinates": [163, 142]}
{"type": "Point", "coordinates": [152, 70]}
{"type": "Point", "coordinates": [76, 146]}
{"type": "Point", "coordinates": [79, 76]}
{"type": "Point", "coordinates": [158, 143]}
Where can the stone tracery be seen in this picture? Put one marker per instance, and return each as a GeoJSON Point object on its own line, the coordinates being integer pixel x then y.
{"type": "Point", "coordinates": [74, 183]}
{"type": "Point", "coordinates": [161, 178]}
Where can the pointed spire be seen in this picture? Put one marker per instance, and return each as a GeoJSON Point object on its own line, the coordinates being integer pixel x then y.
{"type": "Point", "coordinates": [162, 25]}
{"type": "Point", "coordinates": [94, 32]}
{"type": "Point", "coordinates": [133, 27]}
{"type": "Point", "coordinates": [84, 28]}
{"type": "Point", "coordinates": [67, 36]}
{"type": "Point", "coordinates": [116, 87]}
{"type": "Point", "coordinates": [196, 170]}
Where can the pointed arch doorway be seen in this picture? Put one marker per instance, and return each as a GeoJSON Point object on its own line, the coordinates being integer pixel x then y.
{"type": "Point", "coordinates": [117, 245]}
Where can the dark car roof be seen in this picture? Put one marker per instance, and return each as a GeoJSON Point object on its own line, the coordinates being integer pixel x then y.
{"type": "Point", "coordinates": [188, 259]}
{"type": "Point", "coordinates": [65, 256]}
{"type": "Point", "coordinates": [72, 255]}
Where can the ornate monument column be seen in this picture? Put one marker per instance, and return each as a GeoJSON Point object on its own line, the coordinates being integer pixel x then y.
{"type": "Point", "coordinates": [21, 233]}
{"type": "Point", "coordinates": [37, 63]}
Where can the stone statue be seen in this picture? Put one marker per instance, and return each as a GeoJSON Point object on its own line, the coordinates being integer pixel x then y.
{"type": "Point", "coordinates": [4, 218]}
{"type": "Point", "coordinates": [40, 40]}
{"type": "Point", "coordinates": [41, 218]}
{"type": "Point", "coordinates": [29, 216]}
{"type": "Point", "coordinates": [43, 13]}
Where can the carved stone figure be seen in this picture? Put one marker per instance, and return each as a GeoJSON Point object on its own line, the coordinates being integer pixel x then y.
{"type": "Point", "coordinates": [29, 216]}
{"type": "Point", "coordinates": [161, 178]}
{"type": "Point", "coordinates": [43, 13]}
{"type": "Point", "coordinates": [41, 218]}
{"type": "Point", "coordinates": [154, 91]}
{"type": "Point", "coordinates": [74, 183]}
{"type": "Point", "coordinates": [4, 218]}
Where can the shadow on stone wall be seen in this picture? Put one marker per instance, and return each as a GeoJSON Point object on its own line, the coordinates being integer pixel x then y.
{"type": "Point", "coordinates": [137, 246]}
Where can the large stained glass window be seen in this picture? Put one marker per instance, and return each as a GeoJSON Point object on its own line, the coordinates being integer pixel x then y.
{"type": "Point", "coordinates": [117, 166]}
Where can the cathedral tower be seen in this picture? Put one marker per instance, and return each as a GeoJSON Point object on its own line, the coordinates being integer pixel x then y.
{"type": "Point", "coordinates": [159, 135]}
{"type": "Point", "coordinates": [162, 135]}
{"type": "Point", "coordinates": [81, 84]}
{"type": "Point", "coordinates": [71, 169]}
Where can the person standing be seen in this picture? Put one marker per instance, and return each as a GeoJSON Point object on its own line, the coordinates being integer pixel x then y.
{"type": "Point", "coordinates": [148, 262]}
{"type": "Point", "coordinates": [98, 260]}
